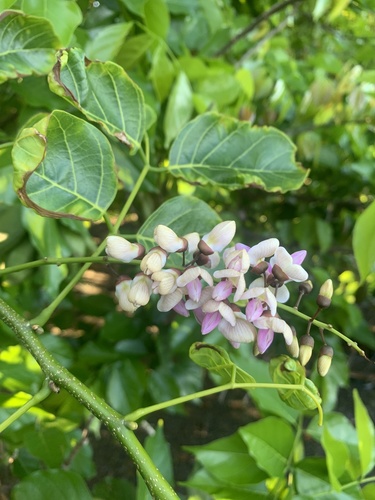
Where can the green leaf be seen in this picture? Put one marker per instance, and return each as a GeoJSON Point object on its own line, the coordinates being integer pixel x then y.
{"type": "Point", "coordinates": [162, 73]}
{"type": "Point", "coordinates": [157, 17]}
{"type": "Point", "coordinates": [134, 48]}
{"type": "Point", "coordinates": [48, 444]}
{"type": "Point", "coordinates": [103, 92]}
{"type": "Point", "coordinates": [337, 457]}
{"type": "Point", "coordinates": [45, 236]}
{"type": "Point", "coordinates": [56, 484]}
{"type": "Point", "coordinates": [55, 175]}
{"type": "Point", "coordinates": [228, 460]}
{"type": "Point", "coordinates": [126, 385]}
{"type": "Point", "coordinates": [365, 432]}
{"type": "Point", "coordinates": [5, 4]}
{"type": "Point", "coordinates": [217, 361]}
{"type": "Point", "coordinates": [106, 41]}
{"type": "Point", "coordinates": [179, 108]}
{"type": "Point", "coordinates": [270, 442]}
{"type": "Point", "coordinates": [64, 16]}
{"type": "Point", "coordinates": [135, 6]}
{"type": "Point", "coordinates": [183, 214]}
{"type": "Point", "coordinates": [364, 242]}
{"type": "Point", "coordinates": [218, 150]}
{"type": "Point", "coordinates": [27, 45]}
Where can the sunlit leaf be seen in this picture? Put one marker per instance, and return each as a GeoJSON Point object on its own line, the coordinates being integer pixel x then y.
{"type": "Point", "coordinates": [217, 361]}
{"type": "Point", "coordinates": [183, 214]}
{"type": "Point", "coordinates": [103, 92]}
{"type": "Point", "coordinates": [64, 168]}
{"type": "Point", "coordinates": [364, 241]}
{"type": "Point", "coordinates": [64, 16]}
{"type": "Point", "coordinates": [27, 45]}
{"type": "Point", "coordinates": [218, 150]}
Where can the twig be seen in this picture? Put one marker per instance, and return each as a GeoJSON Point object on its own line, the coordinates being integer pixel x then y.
{"type": "Point", "coordinates": [262, 17]}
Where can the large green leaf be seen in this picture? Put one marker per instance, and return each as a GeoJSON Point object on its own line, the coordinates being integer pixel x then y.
{"type": "Point", "coordinates": [103, 92]}
{"type": "Point", "coordinates": [27, 45]}
{"type": "Point", "coordinates": [56, 484]}
{"type": "Point", "coordinates": [228, 460]}
{"type": "Point", "coordinates": [218, 150]}
{"type": "Point", "coordinates": [64, 16]}
{"type": "Point", "coordinates": [183, 214]}
{"type": "Point", "coordinates": [364, 241]}
{"type": "Point", "coordinates": [64, 167]}
{"type": "Point", "coordinates": [270, 441]}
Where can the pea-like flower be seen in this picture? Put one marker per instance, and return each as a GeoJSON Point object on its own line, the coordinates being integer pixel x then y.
{"type": "Point", "coordinates": [154, 260]}
{"type": "Point", "coordinates": [122, 293]}
{"type": "Point", "coordinates": [120, 248]}
{"type": "Point", "coordinates": [168, 240]}
{"type": "Point", "coordinates": [267, 325]}
{"type": "Point", "coordinates": [140, 290]}
{"type": "Point", "coordinates": [285, 268]}
{"type": "Point", "coordinates": [218, 238]}
{"type": "Point", "coordinates": [242, 332]}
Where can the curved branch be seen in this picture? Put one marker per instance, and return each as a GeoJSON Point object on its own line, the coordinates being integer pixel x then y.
{"type": "Point", "coordinates": [262, 17]}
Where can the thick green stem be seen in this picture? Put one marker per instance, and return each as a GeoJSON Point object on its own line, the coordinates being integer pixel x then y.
{"type": "Point", "coordinates": [158, 486]}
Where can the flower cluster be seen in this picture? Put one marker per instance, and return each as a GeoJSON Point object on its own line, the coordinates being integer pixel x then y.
{"type": "Point", "coordinates": [240, 298]}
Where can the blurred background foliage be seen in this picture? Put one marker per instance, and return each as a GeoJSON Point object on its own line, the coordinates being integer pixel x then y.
{"type": "Point", "coordinates": [304, 67]}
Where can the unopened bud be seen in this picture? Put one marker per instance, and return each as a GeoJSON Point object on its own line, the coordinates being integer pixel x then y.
{"type": "Point", "coordinates": [260, 268]}
{"type": "Point", "coordinates": [120, 248]}
{"type": "Point", "coordinates": [325, 294]}
{"type": "Point", "coordinates": [305, 287]}
{"type": "Point", "coordinates": [293, 348]}
{"type": "Point", "coordinates": [306, 345]}
{"type": "Point", "coordinates": [279, 274]}
{"type": "Point", "coordinates": [168, 240]}
{"type": "Point", "coordinates": [325, 360]}
{"type": "Point", "coordinates": [204, 248]}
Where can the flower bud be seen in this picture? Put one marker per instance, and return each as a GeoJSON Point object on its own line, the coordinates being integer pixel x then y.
{"type": "Point", "coordinates": [324, 360]}
{"type": "Point", "coordinates": [293, 348]}
{"type": "Point", "coordinates": [218, 238]}
{"type": "Point", "coordinates": [122, 293]}
{"type": "Point", "coordinates": [140, 290]}
{"type": "Point", "coordinates": [260, 268]}
{"type": "Point", "coordinates": [154, 260]}
{"type": "Point", "coordinates": [325, 294]}
{"type": "Point", "coordinates": [279, 274]}
{"type": "Point", "coordinates": [305, 287]}
{"type": "Point", "coordinates": [168, 240]}
{"type": "Point", "coordinates": [120, 248]}
{"type": "Point", "coordinates": [306, 345]}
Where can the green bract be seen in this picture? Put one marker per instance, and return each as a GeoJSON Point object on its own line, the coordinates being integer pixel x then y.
{"type": "Point", "coordinates": [286, 370]}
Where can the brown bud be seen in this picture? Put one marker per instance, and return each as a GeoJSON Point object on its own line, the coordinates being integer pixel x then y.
{"type": "Point", "coordinates": [306, 345]}
{"type": "Point", "coordinates": [204, 248]}
{"type": "Point", "coordinates": [305, 287]}
{"type": "Point", "coordinates": [201, 259]}
{"type": "Point", "coordinates": [325, 360]}
{"type": "Point", "coordinates": [293, 348]}
{"type": "Point", "coordinates": [323, 302]}
{"type": "Point", "coordinates": [260, 268]}
{"type": "Point", "coordinates": [279, 274]}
